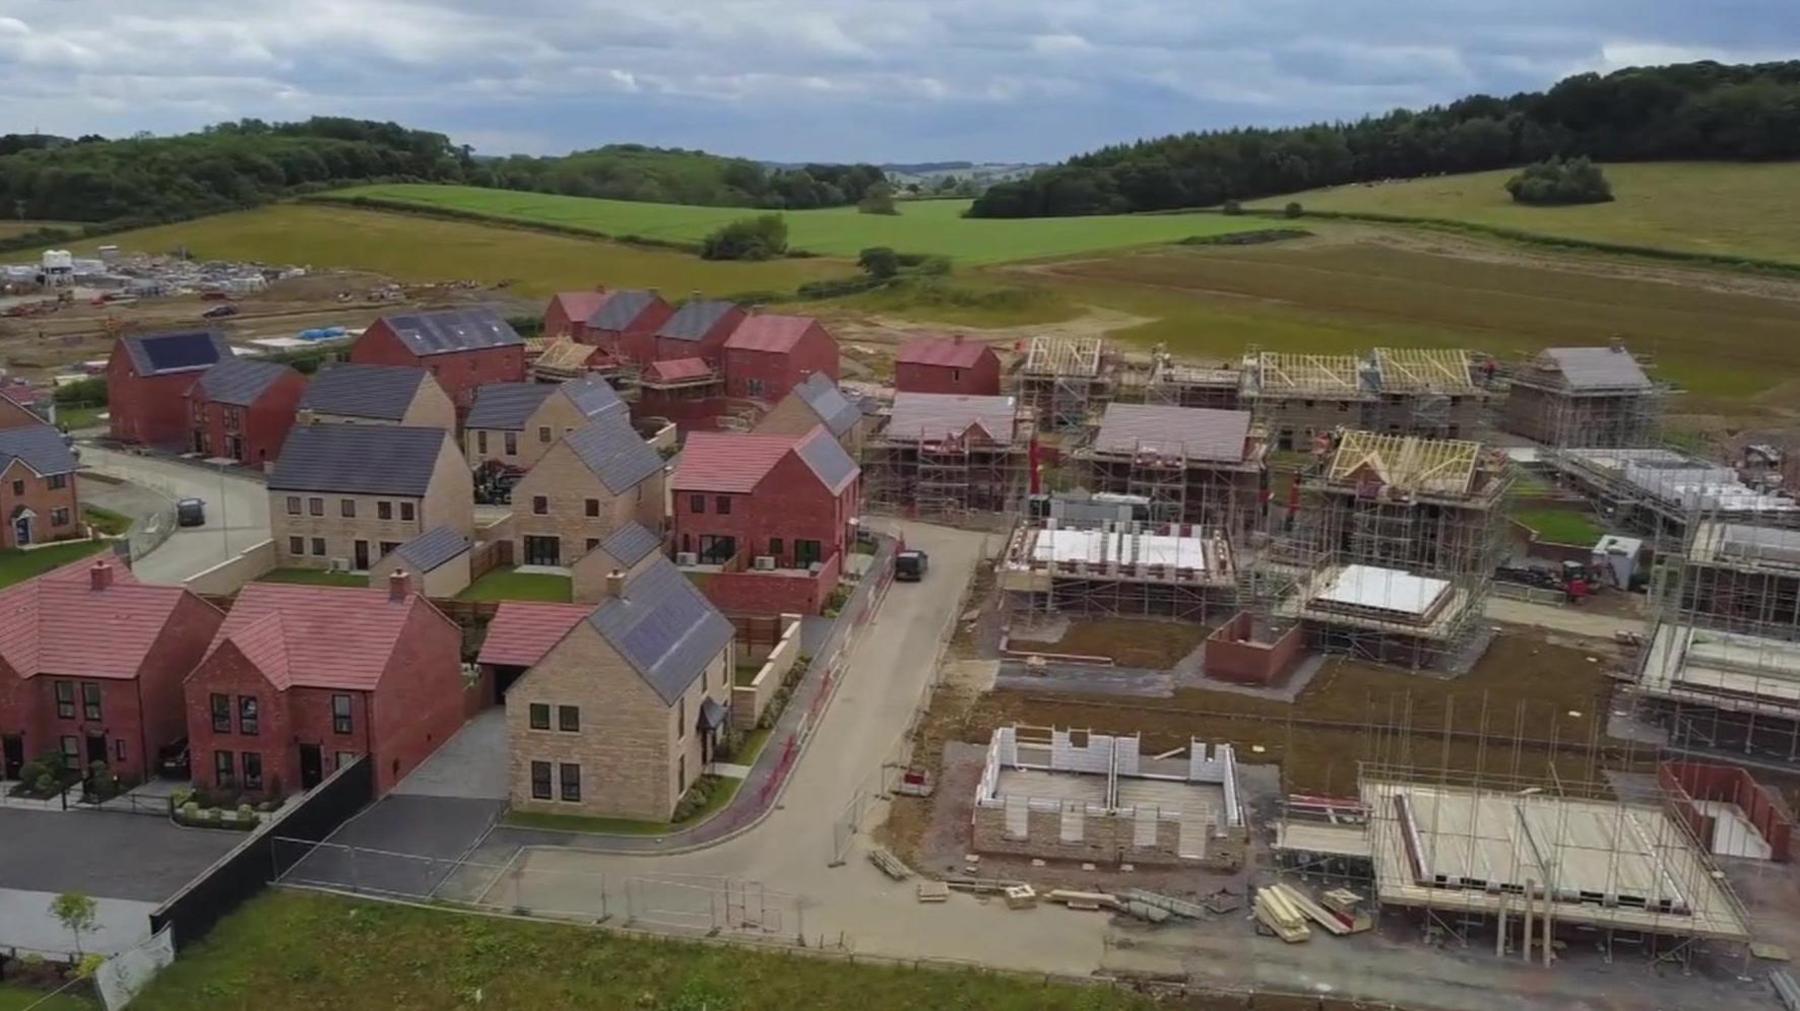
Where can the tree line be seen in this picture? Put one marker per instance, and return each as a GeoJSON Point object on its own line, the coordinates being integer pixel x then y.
{"type": "Point", "coordinates": [676, 176]}
{"type": "Point", "coordinates": [1701, 110]}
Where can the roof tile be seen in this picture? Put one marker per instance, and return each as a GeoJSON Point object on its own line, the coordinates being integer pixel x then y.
{"type": "Point", "coordinates": [951, 352]}
{"type": "Point", "coordinates": [358, 459]}
{"type": "Point", "coordinates": [769, 332]}
{"type": "Point", "coordinates": [239, 381]}
{"type": "Point", "coordinates": [381, 392]}
{"type": "Point", "coordinates": [318, 636]}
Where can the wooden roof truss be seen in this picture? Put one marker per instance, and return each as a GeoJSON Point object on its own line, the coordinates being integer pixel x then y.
{"type": "Point", "coordinates": [1406, 463]}
{"type": "Point", "coordinates": [1284, 372]}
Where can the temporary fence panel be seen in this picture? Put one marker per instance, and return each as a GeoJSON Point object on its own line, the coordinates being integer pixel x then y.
{"type": "Point", "coordinates": [126, 974]}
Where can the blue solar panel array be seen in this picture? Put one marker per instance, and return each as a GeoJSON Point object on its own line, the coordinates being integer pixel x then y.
{"type": "Point", "coordinates": [664, 628]}
{"type": "Point", "coordinates": [612, 449]}
{"type": "Point", "coordinates": [432, 333]}
{"type": "Point", "coordinates": [154, 354]}
{"type": "Point", "coordinates": [828, 460]}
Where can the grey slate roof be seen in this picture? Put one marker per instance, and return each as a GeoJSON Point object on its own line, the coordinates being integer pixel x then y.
{"type": "Point", "coordinates": [432, 548]}
{"type": "Point", "coordinates": [828, 460]}
{"type": "Point", "coordinates": [240, 381]}
{"type": "Point", "coordinates": [693, 320]}
{"type": "Point", "coordinates": [358, 459]}
{"type": "Point", "coordinates": [592, 395]}
{"type": "Point", "coordinates": [364, 391]}
{"type": "Point", "coordinates": [631, 543]}
{"type": "Point", "coordinates": [664, 628]}
{"type": "Point", "coordinates": [1598, 368]}
{"type": "Point", "coordinates": [612, 449]}
{"type": "Point", "coordinates": [621, 309]}
{"type": "Point", "coordinates": [1200, 433]}
{"type": "Point", "coordinates": [929, 417]}
{"type": "Point", "coordinates": [506, 406]}
{"type": "Point", "coordinates": [835, 411]}
{"type": "Point", "coordinates": [163, 353]}
{"type": "Point", "coordinates": [41, 447]}
{"type": "Point", "coordinates": [448, 330]}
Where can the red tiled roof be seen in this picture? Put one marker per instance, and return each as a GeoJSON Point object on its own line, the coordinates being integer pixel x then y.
{"type": "Point", "coordinates": [769, 332]}
{"type": "Point", "coordinates": [522, 632]}
{"type": "Point", "coordinates": [58, 624]}
{"type": "Point", "coordinates": [317, 636]}
{"type": "Point", "coordinates": [955, 353]}
{"type": "Point", "coordinates": [728, 461]}
{"type": "Point", "coordinates": [579, 305]}
{"type": "Point", "coordinates": [673, 369]}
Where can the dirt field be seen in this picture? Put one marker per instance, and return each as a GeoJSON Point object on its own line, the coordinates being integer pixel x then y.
{"type": "Point", "coordinates": [1154, 645]}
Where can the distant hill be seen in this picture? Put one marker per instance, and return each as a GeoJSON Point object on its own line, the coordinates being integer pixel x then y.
{"type": "Point", "coordinates": [1691, 111]}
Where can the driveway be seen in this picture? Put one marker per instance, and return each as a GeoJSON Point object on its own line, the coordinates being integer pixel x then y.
{"type": "Point", "coordinates": [402, 845]}
{"type": "Point", "coordinates": [472, 764]}
{"type": "Point", "coordinates": [237, 510]}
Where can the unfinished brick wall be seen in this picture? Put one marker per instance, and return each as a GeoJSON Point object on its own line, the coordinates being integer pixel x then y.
{"type": "Point", "coordinates": [1104, 839]}
{"type": "Point", "coordinates": [1232, 655]}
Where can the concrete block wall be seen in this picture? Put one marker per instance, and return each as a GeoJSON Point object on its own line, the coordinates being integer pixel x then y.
{"type": "Point", "coordinates": [1095, 757]}
{"type": "Point", "coordinates": [1125, 755]}
{"type": "Point", "coordinates": [230, 575]}
{"type": "Point", "coordinates": [749, 701]}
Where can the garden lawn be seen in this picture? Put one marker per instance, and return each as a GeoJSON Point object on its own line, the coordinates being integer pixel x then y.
{"type": "Point", "coordinates": [508, 584]}
{"type": "Point", "coordinates": [315, 577]}
{"type": "Point", "coordinates": [1561, 526]}
{"type": "Point", "coordinates": [18, 566]}
{"type": "Point", "coordinates": [105, 520]}
{"type": "Point", "coordinates": [17, 998]}
{"type": "Point", "coordinates": [75, 419]}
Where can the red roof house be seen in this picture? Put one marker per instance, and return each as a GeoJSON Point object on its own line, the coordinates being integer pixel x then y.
{"type": "Point", "coordinates": [242, 410]}
{"type": "Point", "coordinates": [768, 355]}
{"type": "Point", "coordinates": [519, 635]}
{"type": "Point", "coordinates": [947, 365]}
{"type": "Point", "coordinates": [302, 679]}
{"type": "Point", "coordinates": [569, 310]}
{"type": "Point", "coordinates": [91, 664]}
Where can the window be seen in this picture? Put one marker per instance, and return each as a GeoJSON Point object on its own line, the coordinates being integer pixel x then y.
{"type": "Point", "coordinates": [247, 721]}
{"type": "Point", "coordinates": [348, 508]}
{"type": "Point", "coordinates": [956, 375]}
{"type": "Point", "coordinates": [592, 543]}
{"type": "Point", "coordinates": [293, 505]}
{"type": "Point", "coordinates": [592, 506]}
{"type": "Point", "coordinates": [512, 444]}
{"type": "Point", "coordinates": [754, 387]}
{"type": "Point", "coordinates": [340, 714]}
{"type": "Point", "coordinates": [296, 545]}
{"type": "Point", "coordinates": [65, 700]}
{"type": "Point", "coordinates": [387, 547]}
{"type": "Point", "coordinates": [59, 517]}
{"type": "Point", "coordinates": [222, 767]}
{"type": "Point", "coordinates": [716, 550]}
{"type": "Point", "coordinates": [775, 547]}
{"type": "Point", "coordinates": [544, 433]}
{"type": "Point", "coordinates": [71, 749]}
{"type": "Point", "coordinates": [481, 442]}
{"type": "Point", "coordinates": [119, 750]}
{"type": "Point", "coordinates": [681, 717]}
{"type": "Point", "coordinates": [90, 701]}
{"type": "Point", "coordinates": [570, 775]}
{"type": "Point", "coordinates": [318, 546]}
{"type": "Point", "coordinates": [221, 713]}
{"type": "Point", "coordinates": [406, 512]}
{"type": "Point", "coordinates": [540, 716]}
{"type": "Point", "coordinates": [681, 774]}
{"type": "Point", "coordinates": [252, 770]}
{"type": "Point", "coordinates": [384, 510]}
{"type": "Point", "coordinates": [568, 718]}
{"type": "Point", "coordinates": [540, 780]}
{"type": "Point", "coordinates": [697, 503]}
{"type": "Point", "coordinates": [315, 506]}
{"type": "Point", "coordinates": [18, 487]}
{"type": "Point", "coordinates": [540, 505]}
{"type": "Point", "coordinates": [808, 552]}
{"type": "Point", "coordinates": [722, 505]}
{"type": "Point", "coordinates": [57, 482]}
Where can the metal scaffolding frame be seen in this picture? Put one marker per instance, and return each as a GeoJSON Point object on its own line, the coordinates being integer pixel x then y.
{"type": "Point", "coordinates": [1544, 404]}
{"type": "Point", "coordinates": [1066, 382]}
{"type": "Point", "coordinates": [1137, 570]}
{"type": "Point", "coordinates": [948, 475]}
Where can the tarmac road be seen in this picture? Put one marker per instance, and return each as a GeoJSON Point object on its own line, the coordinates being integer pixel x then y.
{"type": "Point", "coordinates": [237, 510]}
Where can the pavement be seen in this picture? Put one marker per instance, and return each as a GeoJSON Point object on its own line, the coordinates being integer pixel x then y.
{"type": "Point", "coordinates": [401, 845]}
{"type": "Point", "coordinates": [472, 764]}
{"type": "Point", "coordinates": [237, 510]}
{"type": "Point", "coordinates": [1572, 620]}
{"type": "Point", "coordinates": [25, 922]}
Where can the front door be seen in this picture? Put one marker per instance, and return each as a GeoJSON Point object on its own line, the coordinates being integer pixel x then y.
{"type": "Point", "coordinates": [22, 529]}
{"type": "Point", "coordinates": [362, 556]}
{"type": "Point", "coordinates": [96, 748]}
{"type": "Point", "coordinates": [542, 550]}
{"type": "Point", "coordinates": [13, 748]}
{"type": "Point", "coordinates": [311, 769]}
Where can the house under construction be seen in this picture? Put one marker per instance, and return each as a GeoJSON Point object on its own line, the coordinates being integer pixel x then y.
{"type": "Point", "coordinates": [1063, 383]}
{"type": "Point", "coordinates": [1121, 568]}
{"type": "Point", "coordinates": [1583, 397]}
{"type": "Point", "coordinates": [1192, 465]}
{"type": "Point", "coordinates": [949, 455]}
{"type": "Point", "coordinates": [1178, 385]}
{"type": "Point", "coordinates": [1410, 391]}
{"type": "Point", "coordinates": [1658, 493]}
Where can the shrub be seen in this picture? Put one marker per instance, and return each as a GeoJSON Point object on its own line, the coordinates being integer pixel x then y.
{"type": "Point", "coordinates": [44, 785]}
{"type": "Point", "coordinates": [879, 261]}
{"type": "Point", "coordinates": [31, 772]}
{"type": "Point", "coordinates": [763, 237]}
{"type": "Point", "coordinates": [878, 200]}
{"type": "Point", "coordinates": [1557, 182]}
{"type": "Point", "coordinates": [1232, 207]}
{"type": "Point", "coordinates": [1293, 209]}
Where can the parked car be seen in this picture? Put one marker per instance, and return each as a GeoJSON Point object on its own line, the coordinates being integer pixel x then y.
{"type": "Point", "coordinates": [190, 512]}
{"type": "Point", "coordinates": [909, 566]}
{"type": "Point", "coordinates": [173, 762]}
{"type": "Point", "coordinates": [220, 311]}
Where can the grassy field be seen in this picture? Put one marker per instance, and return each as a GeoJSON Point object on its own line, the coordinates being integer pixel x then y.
{"type": "Point", "coordinates": [8, 229]}
{"type": "Point", "coordinates": [296, 952]}
{"type": "Point", "coordinates": [1695, 207]}
{"type": "Point", "coordinates": [315, 577]}
{"type": "Point", "coordinates": [1561, 526]}
{"type": "Point", "coordinates": [929, 226]}
{"type": "Point", "coordinates": [105, 520]}
{"type": "Point", "coordinates": [507, 584]}
{"type": "Point", "coordinates": [17, 998]}
{"type": "Point", "coordinates": [18, 566]}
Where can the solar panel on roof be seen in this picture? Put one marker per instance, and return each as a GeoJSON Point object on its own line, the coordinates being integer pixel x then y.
{"type": "Point", "coordinates": [173, 352]}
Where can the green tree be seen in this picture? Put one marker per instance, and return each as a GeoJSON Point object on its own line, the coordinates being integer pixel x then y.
{"type": "Point", "coordinates": [879, 262]}
{"type": "Point", "coordinates": [763, 237]}
{"type": "Point", "coordinates": [878, 199]}
{"type": "Point", "coordinates": [1293, 209]}
{"type": "Point", "coordinates": [78, 914]}
{"type": "Point", "coordinates": [1558, 182]}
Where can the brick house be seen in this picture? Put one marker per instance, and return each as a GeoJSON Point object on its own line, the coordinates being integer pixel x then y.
{"type": "Point", "coordinates": [625, 323]}
{"type": "Point", "coordinates": [620, 716]}
{"type": "Point", "coordinates": [947, 365]}
{"type": "Point", "coordinates": [351, 394]}
{"type": "Point", "coordinates": [16, 411]}
{"type": "Point", "coordinates": [462, 348]}
{"type": "Point", "coordinates": [242, 410]}
{"type": "Point", "coordinates": [768, 355]}
{"type": "Point", "coordinates": [591, 482]}
{"type": "Point", "coordinates": [147, 377]}
{"type": "Point", "coordinates": [813, 403]}
{"type": "Point", "coordinates": [568, 312]}
{"type": "Point", "coordinates": [698, 329]}
{"type": "Point", "coordinates": [346, 495]}
{"type": "Point", "coordinates": [512, 425]}
{"type": "Point", "coordinates": [113, 697]}
{"type": "Point", "coordinates": [37, 486]}
{"type": "Point", "coordinates": [300, 680]}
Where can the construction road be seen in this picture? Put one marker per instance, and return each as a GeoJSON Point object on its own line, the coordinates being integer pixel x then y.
{"type": "Point", "coordinates": [1572, 620]}
{"type": "Point", "coordinates": [237, 510]}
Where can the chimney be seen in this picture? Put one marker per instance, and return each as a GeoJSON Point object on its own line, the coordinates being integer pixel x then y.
{"type": "Point", "coordinates": [615, 584]}
{"type": "Point", "coordinates": [100, 576]}
{"type": "Point", "coordinates": [305, 416]}
{"type": "Point", "coordinates": [958, 339]}
{"type": "Point", "coordinates": [399, 585]}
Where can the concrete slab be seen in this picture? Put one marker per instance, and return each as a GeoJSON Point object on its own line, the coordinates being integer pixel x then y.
{"type": "Point", "coordinates": [115, 855]}
{"type": "Point", "coordinates": [471, 764]}
{"type": "Point", "coordinates": [26, 922]}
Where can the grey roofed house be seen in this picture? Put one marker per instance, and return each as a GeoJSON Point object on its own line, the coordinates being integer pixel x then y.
{"type": "Point", "coordinates": [630, 544]}
{"type": "Point", "coordinates": [1598, 368]}
{"type": "Point", "coordinates": [240, 381]}
{"type": "Point", "coordinates": [930, 417]}
{"type": "Point", "coordinates": [621, 309]}
{"type": "Point", "coordinates": [448, 330]}
{"type": "Point", "coordinates": [1199, 433]}
{"type": "Point", "coordinates": [694, 319]}
{"type": "Point", "coordinates": [592, 395]}
{"type": "Point", "coordinates": [40, 447]}
{"type": "Point", "coordinates": [613, 450]}
{"type": "Point", "coordinates": [160, 354]}
{"type": "Point", "coordinates": [431, 549]}
{"type": "Point", "coordinates": [358, 459]}
{"type": "Point", "coordinates": [381, 392]}
{"type": "Point", "coordinates": [664, 627]}
{"type": "Point", "coordinates": [506, 406]}
{"type": "Point", "coordinates": [838, 413]}
{"type": "Point", "coordinates": [827, 459]}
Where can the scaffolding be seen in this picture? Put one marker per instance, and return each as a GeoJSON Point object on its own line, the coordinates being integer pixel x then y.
{"type": "Point", "coordinates": [1190, 465]}
{"type": "Point", "coordinates": [949, 457]}
{"type": "Point", "coordinates": [1177, 385]}
{"type": "Point", "coordinates": [1121, 569]}
{"type": "Point", "coordinates": [1065, 382]}
{"type": "Point", "coordinates": [1430, 392]}
{"type": "Point", "coordinates": [1657, 493]}
{"type": "Point", "coordinates": [1583, 398]}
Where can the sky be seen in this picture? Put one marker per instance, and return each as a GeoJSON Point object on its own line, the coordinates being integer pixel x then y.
{"type": "Point", "coordinates": [828, 80]}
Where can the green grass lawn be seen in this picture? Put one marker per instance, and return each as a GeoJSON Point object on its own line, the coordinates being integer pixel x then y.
{"type": "Point", "coordinates": [17, 998]}
{"type": "Point", "coordinates": [927, 226]}
{"type": "Point", "coordinates": [315, 577]}
{"type": "Point", "coordinates": [292, 951]}
{"type": "Point", "coordinates": [105, 520]}
{"type": "Point", "coordinates": [507, 584]}
{"type": "Point", "coordinates": [1561, 526]}
{"type": "Point", "coordinates": [1695, 207]}
{"type": "Point", "coordinates": [18, 566]}
{"type": "Point", "coordinates": [75, 419]}
{"type": "Point", "coordinates": [723, 791]}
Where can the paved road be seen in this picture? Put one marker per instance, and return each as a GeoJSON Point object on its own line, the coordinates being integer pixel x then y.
{"type": "Point", "coordinates": [1562, 619]}
{"type": "Point", "coordinates": [237, 510]}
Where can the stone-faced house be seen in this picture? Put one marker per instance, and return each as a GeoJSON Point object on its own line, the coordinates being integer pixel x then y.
{"type": "Point", "coordinates": [512, 425]}
{"type": "Point", "coordinates": [439, 562]}
{"type": "Point", "coordinates": [590, 483]}
{"type": "Point", "coordinates": [353, 394]}
{"type": "Point", "coordinates": [818, 402]}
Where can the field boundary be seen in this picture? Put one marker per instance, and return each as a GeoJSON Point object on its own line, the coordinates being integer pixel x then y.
{"type": "Point", "coordinates": [457, 214]}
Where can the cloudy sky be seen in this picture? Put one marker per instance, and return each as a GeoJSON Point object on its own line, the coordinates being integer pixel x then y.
{"type": "Point", "coordinates": [881, 80]}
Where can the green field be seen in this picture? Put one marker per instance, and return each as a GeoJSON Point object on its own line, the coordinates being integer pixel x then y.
{"type": "Point", "coordinates": [9, 229]}
{"type": "Point", "coordinates": [1561, 526]}
{"type": "Point", "coordinates": [18, 566]}
{"type": "Point", "coordinates": [1723, 209]}
{"type": "Point", "coordinates": [507, 584]}
{"type": "Point", "coordinates": [289, 951]}
{"type": "Point", "coordinates": [927, 226]}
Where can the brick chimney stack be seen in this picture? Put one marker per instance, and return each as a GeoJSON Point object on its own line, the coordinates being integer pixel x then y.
{"type": "Point", "coordinates": [100, 576]}
{"type": "Point", "coordinates": [399, 585]}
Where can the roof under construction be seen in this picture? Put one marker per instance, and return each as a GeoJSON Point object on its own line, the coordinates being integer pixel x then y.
{"type": "Point", "coordinates": [1406, 463]}
{"type": "Point", "coordinates": [1054, 356]}
{"type": "Point", "coordinates": [1280, 372]}
{"type": "Point", "coordinates": [1196, 433]}
{"type": "Point", "coordinates": [1424, 370]}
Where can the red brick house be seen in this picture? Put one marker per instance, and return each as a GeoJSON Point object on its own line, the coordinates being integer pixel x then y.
{"type": "Point", "coordinates": [242, 409]}
{"type": "Point", "coordinates": [37, 486]}
{"type": "Point", "coordinates": [625, 324]}
{"type": "Point", "coordinates": [462, 348]}
{"type": "Point", "coordinates": [91, 664]}
{"type": "Point", "coordinates": [568, 312]}
{"type": "Point", "coordinates": [147, 378]}
{"type": "Point", "coordinates": [302, 679]}
{"type": "Point", "coordinates": [947, 365]}
{"type": "Point", "coordinates": [768, 355]}
{"type": "Point", "coordinates": [698, 329]}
